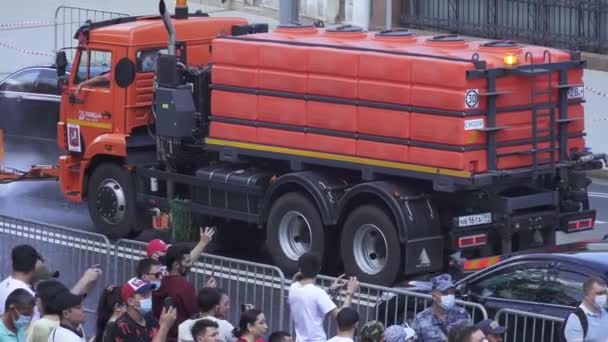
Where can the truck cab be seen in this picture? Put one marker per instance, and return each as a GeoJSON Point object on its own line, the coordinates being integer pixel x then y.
{"type": "Point", "coordinates": [106, 106]}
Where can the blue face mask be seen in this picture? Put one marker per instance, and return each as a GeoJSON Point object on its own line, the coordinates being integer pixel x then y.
{"type": "Point", "coordinates": [22, 322]}
{"type": "Point", "coordinates": [156, 284]}
{"type": "Point", "coordinates": [145, 306]}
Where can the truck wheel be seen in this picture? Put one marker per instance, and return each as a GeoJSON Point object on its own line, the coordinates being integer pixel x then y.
{"type": "Point", "coordinates": [111, 200]}
{"type": "Point", "coordinates": [294, 228]}
{"type": "Point", "coordinates": [370, 246]}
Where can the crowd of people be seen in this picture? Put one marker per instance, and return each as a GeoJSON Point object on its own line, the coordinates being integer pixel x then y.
{"type": "Point", "coordinates": [159, 304]}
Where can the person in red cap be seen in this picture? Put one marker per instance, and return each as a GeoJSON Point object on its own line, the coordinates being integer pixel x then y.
{"type": "Point", "coordinates": [157, 248]}
{"type": "Point", "coordinates": [136, 324]}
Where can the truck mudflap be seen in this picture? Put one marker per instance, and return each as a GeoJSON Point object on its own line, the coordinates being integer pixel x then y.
{"type": "Point", "coordinates": [574, 222]}
{"type": "Point", "coordinates": [424, 255]}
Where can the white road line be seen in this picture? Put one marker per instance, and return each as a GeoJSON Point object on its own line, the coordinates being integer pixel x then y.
{"type": "Point", "coordinates": [598, 194]}
{"type": "Point", "coordinates": [600, 222]}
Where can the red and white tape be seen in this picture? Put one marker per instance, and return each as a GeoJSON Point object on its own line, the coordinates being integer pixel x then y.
{"type": "Point", "coordinates": [25, 23]}
{"type": "Point", "coordinates": [26, 51]}
{"type": "Point", "coordinates": [597, 92]}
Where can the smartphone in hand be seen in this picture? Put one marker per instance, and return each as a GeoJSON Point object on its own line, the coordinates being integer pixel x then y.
{"type": "Point", "coordinates": [168, 303]}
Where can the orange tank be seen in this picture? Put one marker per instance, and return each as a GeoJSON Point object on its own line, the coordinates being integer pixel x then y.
{"type": "Point", "coordinates": [397, 97]}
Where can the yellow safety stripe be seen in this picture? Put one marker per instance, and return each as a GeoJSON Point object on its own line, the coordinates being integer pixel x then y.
{"type": "Point", "coordinates": [338, 157]}
{"type": "Point", "coordinates": [90, 124]}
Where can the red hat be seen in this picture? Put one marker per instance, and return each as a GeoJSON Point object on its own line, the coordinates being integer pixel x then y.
{"type": "Point", "coordinates": [156, 245]}
{"type": "Point", "coordinates": [136, 285]}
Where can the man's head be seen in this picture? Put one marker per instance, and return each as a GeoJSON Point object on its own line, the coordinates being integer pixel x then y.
{"type": "Point", "coordinates": [157, 249]}
{"type": "Point", "coordinates": [493, 331]}
{"type": "Point", "coordinates": [26, 259]}
{"type": "Point", "coordinates": [372, 331]}
{"type": "Point", "coordinates": [224, 305]}
{"type": "Point", "coordinates": [309, 265]}
{"type": "Point", "coordinates": [42, 274]}
{"type": "Point", "coordinates": [469, 333]}
{"type": "Point", "coordinates": [280, 336]}
{"type": "Point", "coordinates": [137, 295]}
{"type": "Point", "coordinates": [46, 294]}
{"type": "Point", "coordinates": [208, 300]}
{"type": "Point", "coordinates": [443, 291]}
{"type": "Point", "coordinates": [205, 330]}
{"type": "Point", "coordinates": [594, 290]}
{"type": "Point", "coordinates": [19, 307]}
{"type": "Point", "coordinates": [70, 307]}
{"type": "Point", "coordinates": [149, 270]}
{"type": "Point", "coordinates": [178, 259]}
{"type": "Point", "coordinates": [399, 333]}
{"type": "Point", "coordinates": [347, 320]}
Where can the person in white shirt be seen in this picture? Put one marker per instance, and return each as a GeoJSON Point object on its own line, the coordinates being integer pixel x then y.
{"type": "Point", "coordinates": [26, 263]}
{"type": "Point", "coordinates": [309, 304]}
{"type": "Point", "coordinates": [348, 320]}
{"type": "Point", "coordinates": [209, 300]}
{"type": "Point", "coordinates": [72, 317]}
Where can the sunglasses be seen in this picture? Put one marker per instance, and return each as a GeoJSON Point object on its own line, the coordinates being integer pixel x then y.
{"type": "Point", "coordinates": [157, 275]}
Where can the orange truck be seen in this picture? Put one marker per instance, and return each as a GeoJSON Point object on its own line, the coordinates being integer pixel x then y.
{"type": "Point", "coordinates": [390, 153]}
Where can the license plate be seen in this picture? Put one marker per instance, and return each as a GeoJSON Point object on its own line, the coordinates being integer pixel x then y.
{"type": "Point", "coordinates": [576, 93]}
{"type": "Point", "coordinates": [474, 220]}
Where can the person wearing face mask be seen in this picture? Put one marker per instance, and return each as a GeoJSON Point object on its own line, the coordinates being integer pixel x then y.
{"type": "Point", "coordinates": [150, 270]}
{"type": "Point", "coordinates": [136, 324]}
{"type": "Point", "coordinates": [18, 311]}
{"type": "Point", "coordinates": [434, 323]}
{"type": "Point", "coordinates": [589, 322]}
{"type": "Point", "coordinates": [157, 249]}
{"type": "Point", "coordinates": [209, 303]}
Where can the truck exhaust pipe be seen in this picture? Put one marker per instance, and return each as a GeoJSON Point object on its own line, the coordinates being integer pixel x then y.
{"type": "Point", "coordinates": [164, 14]}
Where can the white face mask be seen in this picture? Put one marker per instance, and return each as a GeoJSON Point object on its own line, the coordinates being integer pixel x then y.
{"type": "Point", "coordinates": [600, 301]}
{"type": "Point", "coordinates": [447, 301]}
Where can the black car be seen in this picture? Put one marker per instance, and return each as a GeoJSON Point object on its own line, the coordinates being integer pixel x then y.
{"type": "Point", "coordinates": [29, 102]}
{"type": "Point", "coordinates": [547, 283]}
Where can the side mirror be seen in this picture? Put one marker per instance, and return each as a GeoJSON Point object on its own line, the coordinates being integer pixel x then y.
{"type": "Point", "coordinates": [61, 62]}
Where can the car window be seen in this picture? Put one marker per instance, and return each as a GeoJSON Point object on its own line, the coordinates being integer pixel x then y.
{"type": "Point", "coordinates": [46, 83]}
{"type": "Point", "coordinates": [93, 63]}
{"type": "Point", "coordinates": [519, 282]}
{"type": "Point", "coordinates": [565, 288]}
{"type": "Point", "coordinates": [146, 59]}
{"type": "Point", "coordinates": [21, 82]}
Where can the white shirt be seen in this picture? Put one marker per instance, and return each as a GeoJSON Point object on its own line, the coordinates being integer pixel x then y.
{"type": "Point", "coordinates": [340, 339]}
{"type": "Point", "coordinates": [184, 333]}
{"type": "Point", "coordinates": [61, 334]}
{"type": "Point", "coordinates": [10, 284]}
{"type": "Point", "coordinates": [309, 305]}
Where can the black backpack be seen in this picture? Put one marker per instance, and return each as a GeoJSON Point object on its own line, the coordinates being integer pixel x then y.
{"type": "Point", "coordinates": [582, 317]}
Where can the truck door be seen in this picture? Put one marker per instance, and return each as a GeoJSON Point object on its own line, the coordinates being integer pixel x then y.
{"type": "Point", "coordinates": [90, 104]}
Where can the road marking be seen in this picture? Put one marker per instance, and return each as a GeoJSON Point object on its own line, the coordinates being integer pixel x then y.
{"type": "Point", "coordinates": [600, 222]}
{"type": "Point", "coordinates": [598, 194]}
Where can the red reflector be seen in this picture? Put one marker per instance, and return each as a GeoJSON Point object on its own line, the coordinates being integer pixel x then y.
{"type": "Point", "coordinates": [580, 224]}
{"type": "Point", "coordinates": [472, 240]}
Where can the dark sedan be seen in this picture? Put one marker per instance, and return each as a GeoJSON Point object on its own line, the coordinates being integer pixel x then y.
{"type": "Point", "coordinates": [29, 102]}
{"type": "Point", "coordinates": [547, 283]}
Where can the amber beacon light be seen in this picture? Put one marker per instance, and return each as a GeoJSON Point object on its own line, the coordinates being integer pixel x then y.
{"type": "Point", "coordinates": [510, 60]}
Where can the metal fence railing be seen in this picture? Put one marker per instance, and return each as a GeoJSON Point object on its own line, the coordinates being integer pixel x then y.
{"type": "Point", "coordinates": [527, 326]}
{"type": "Point", "coordinates": [576, 25]}
{"type": "Point", "coordinates": [68, 250]}
{"type": "Point", "coordinates": [69, 19]}
{"type": "Point", "coordinates": [73, 251]}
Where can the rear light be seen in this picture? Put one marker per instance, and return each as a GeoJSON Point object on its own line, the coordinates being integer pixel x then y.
{"type": "Point", "coordinates": [472, 241]}
{"type": "Point", "coordinates": [582, 224]}
{"type": "Point", "coordinates": [478, 264]}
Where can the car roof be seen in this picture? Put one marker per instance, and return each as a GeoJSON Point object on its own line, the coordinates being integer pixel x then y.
{"type": "Point", "coordinates": [593, 254]}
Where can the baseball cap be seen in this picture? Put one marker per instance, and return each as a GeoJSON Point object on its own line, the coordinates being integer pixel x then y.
{"type": "Point", "coordinates": [136, 285]}
{"type": "Point", "coordinates": [372, 331]}
{"type": "Point", "coordinates": [398, 333]}
{"type": "Point", "coordinates": [65, 300]}
{"type": "Point", "coordinates": [156, 245]}
{"type": "Point", "coordinates": [442, 282]}
{"type": "Point", "coordinates": [490, 326]}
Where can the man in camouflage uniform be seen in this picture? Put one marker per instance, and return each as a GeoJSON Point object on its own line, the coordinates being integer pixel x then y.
{"type": "Point", "coordinates": [434, 323]}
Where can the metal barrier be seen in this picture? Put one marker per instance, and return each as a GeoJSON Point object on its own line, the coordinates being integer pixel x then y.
{"type": "Point", "coordinates": [527, 326]}
{"type": "Point", "coordinates": [394, 306]}
{"type": "Point", "coordinates": [244, 282]}
{"type": "Point", "coordinates": [69, 19]}
{"type": "Point", "coordinates": [577, 25]}
{"type": "Point", "coordinates": [72, 251]}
